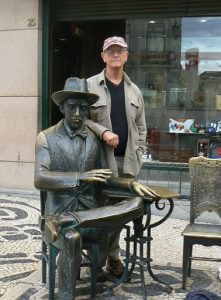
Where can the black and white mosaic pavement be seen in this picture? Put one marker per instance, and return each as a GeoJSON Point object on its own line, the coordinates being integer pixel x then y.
{"type": "Point", "coordinates": [20, 264]}
{"type": "Point", "coordinates": [19, 240]}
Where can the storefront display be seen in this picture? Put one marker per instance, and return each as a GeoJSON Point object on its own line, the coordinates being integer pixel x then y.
{"type": "Point", "coordinates": [179, 73]}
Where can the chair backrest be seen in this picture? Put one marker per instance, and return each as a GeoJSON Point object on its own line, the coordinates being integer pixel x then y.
{"type": "Point", "coordinates": [205, 174]}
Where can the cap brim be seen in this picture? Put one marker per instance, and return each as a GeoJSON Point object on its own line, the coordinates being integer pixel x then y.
{"type": "Point", "coordinates": [118, 44]}
{"type": "Point", "coordinates": [60, 96]}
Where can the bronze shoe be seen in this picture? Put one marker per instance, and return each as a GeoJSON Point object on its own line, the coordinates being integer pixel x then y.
{"type": "Point", "coordinates": [53, 225]}
{"type": "Point", "coordinates": [115, 267]}
{"type": "Point", "coordinates": [51, 229]}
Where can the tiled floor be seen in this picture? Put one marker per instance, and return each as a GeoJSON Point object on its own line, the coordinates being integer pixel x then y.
{"type": "Point", "coordinates": [20, 259]}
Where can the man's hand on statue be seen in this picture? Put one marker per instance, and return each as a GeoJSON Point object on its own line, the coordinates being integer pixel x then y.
{"type": "Point", "coordinates": [97, 175]}
{"type": "Point", "coordinates": [110, 138]}
{"type": "Point", "coordinates": [143, 190]}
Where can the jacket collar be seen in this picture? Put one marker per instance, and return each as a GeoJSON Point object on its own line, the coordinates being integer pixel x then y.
{"type": "Point", "coordinates": [62, 129]}
{"type": "Point", "coordinates": [101, 78]}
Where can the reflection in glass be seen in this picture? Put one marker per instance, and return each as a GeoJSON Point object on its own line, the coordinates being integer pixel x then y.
{"type": "Point", "coordinates": [176, 62]}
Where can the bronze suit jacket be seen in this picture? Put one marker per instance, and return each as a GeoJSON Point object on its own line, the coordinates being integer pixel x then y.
{"type": "Point", "coordinates": [59, 159]}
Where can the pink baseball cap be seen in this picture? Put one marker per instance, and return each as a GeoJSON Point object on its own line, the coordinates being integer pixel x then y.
{"type": "Point", "coordinates": [114, 40]}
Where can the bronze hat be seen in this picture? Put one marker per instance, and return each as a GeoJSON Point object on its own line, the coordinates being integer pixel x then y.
{"type": "Point", "coordinates": [74, 87]}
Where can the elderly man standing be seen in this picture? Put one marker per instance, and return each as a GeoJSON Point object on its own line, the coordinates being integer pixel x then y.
{"type": "Point", "coordinates": [120, 122]}
{"type": "Point", "coordinates": [69, 167]}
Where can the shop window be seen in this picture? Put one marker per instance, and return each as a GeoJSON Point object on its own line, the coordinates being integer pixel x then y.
{"type": "Point", "coordinates": [155, 36]}
{"type": "Point", "coordinates": [176, 62]}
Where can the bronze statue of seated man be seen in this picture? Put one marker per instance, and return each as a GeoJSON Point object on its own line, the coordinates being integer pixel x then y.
{"type": "Point", "coordinates": [70, 166]}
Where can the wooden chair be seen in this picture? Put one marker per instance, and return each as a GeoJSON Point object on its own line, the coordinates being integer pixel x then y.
{"type": "Point", "coordinates": [205, 174]}
{"type": "Point", "coordinates": [49, 255]}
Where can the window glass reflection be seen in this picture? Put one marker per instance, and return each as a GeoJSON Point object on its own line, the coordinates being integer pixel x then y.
{"type": "Point", "coordinates": [177, 64]}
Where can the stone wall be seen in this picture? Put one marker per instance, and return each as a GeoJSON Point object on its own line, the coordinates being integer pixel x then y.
{"type": "Point", "coordinates": [20, 90]}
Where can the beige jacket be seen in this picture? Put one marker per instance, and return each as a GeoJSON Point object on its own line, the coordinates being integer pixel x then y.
{"type": "Point", "coordinates": [100, 113]}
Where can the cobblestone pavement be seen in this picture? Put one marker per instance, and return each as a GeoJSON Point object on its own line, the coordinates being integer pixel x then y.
{"type": "Point", "coordinates": [20, 263]}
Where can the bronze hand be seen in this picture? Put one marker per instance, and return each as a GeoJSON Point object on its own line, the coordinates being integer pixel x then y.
{"type": "Point", "coordinates": [98, 175]}
{"type": "Point", "coordinates": [143, 190]}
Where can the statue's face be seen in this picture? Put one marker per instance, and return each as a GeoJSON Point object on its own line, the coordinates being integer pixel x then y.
{"type": "Point", "coordinates": [75, 112]}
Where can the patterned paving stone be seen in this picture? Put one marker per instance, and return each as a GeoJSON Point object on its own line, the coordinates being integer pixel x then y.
{"type": "Point", "coordinates": [20, 264]}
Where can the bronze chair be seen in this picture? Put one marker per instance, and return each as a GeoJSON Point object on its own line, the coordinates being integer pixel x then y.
{"type": "Point", "coordinates": [110, 219]}
{"type": "Point", "coordinates": [205, 174]}
{"type": "Point", "coordinates": [49, 256]}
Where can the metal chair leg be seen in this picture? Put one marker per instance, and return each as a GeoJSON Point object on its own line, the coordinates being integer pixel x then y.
{"type": "Point", "coordinates": [186, 251]}
{"type": "Point", "coordinates": [189, 260]}
{"type": "Point", "coordinates": [52, 269]}
{"type": "Point", "coordinates": [43, 262]}
{"type": "Point", "coordinates": [93, 269]}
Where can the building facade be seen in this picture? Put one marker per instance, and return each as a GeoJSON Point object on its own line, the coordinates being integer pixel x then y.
{"type": "Point", "coordinates": [175, 58]}
{"type": "Point", "coordinates": [20, 90]}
